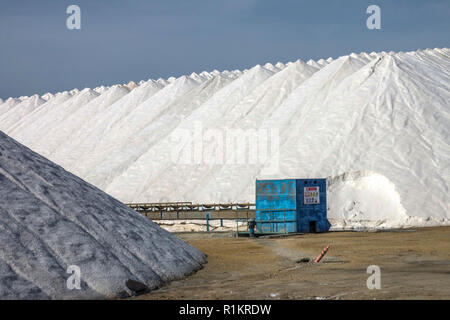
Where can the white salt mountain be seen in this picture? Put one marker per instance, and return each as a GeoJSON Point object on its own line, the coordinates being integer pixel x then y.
{"type": "Point", "coordinates": [377, 124]}
{"type": "Point", "coordinates": [51, 220]}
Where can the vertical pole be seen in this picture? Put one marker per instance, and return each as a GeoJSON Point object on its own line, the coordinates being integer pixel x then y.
{"type": "Point", "coordinates": [237, 224]}
{"type": "Point", "coordinates": [207, 222]}
{"type": "Point", "coordinates": [272, 223]}
{"type": "Point", "coordinates": [221, 222]}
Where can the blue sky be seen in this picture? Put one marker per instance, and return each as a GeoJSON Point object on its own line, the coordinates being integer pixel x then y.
{"type": "Point", "coordinates": [140, 39]}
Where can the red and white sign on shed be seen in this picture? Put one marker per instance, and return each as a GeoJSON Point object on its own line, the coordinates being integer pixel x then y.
{"type": "Point", "coordinates": [311, 195]}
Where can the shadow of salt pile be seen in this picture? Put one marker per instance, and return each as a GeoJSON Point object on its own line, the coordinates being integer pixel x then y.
{"type": "Point", "coordinates": [52, 221]}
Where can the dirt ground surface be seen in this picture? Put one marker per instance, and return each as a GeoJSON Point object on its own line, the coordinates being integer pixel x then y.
{"type": "Point", "coordinates": [414, 264]}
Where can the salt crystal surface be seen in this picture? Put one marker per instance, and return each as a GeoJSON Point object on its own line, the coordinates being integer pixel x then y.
{"type": "Point", "coordinates": [51, 219]}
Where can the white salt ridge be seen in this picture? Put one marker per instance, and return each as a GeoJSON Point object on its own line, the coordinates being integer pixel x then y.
{"type": "Point", "coordinates": [380, 114]}
{"type": "Point", "coordinates": [43, 119]}
{"type": "Point", "coordinates": [58, 134]}
{"type": "Point", "coordinates": [47, 96]}
{"type": "Point", "coordinates": [95, 127]}
{"type": "Point", "coordinates": [153, 135]}
{"type": "Point", "coordinates": [51, 219]}
{"type": "Point", "coordinates": [8, 104]}
{"type": "Point", "coordinates": [20, 110]}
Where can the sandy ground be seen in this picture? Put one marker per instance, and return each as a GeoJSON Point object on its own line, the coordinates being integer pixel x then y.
{"type": "Point", "coordinates": [415, 264]}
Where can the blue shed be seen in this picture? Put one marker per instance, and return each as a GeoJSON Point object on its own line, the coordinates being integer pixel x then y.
{"type": "Point", "coordinates": [291, 205]}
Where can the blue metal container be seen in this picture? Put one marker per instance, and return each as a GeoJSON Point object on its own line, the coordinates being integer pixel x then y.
{"type": "Point", "coordinates": [312, 205]}
{"type": "Point", "coordinates": [291, 205]}
{"type": "Point", "coordinates": [276, 206]}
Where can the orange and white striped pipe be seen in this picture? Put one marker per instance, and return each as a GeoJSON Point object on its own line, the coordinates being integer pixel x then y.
{"type": "Point", "coordinates": [320, 256]}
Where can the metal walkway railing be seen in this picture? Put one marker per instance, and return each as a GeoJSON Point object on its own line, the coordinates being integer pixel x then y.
{"type": "Point", "coordinates": [192, 211]}
{"type": "Point", "coordinates": [189, 206]}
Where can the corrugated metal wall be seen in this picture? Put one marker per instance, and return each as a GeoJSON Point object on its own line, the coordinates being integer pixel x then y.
{"type": "Point", "coordinates": [276, 205]}
{"type": "Point", "coordinates": [283, 207]}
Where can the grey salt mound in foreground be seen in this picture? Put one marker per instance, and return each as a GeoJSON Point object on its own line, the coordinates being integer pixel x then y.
{"type": "Point", "coordinates": [50, 219]}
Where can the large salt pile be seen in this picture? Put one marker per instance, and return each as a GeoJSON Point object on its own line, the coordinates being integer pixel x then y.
{"type": "Point", "coordinates": [52, 223]}
{"type": "Point", "coordinates": [364, 200]}
{"type": "Point", "coordinates": [385, 115]}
